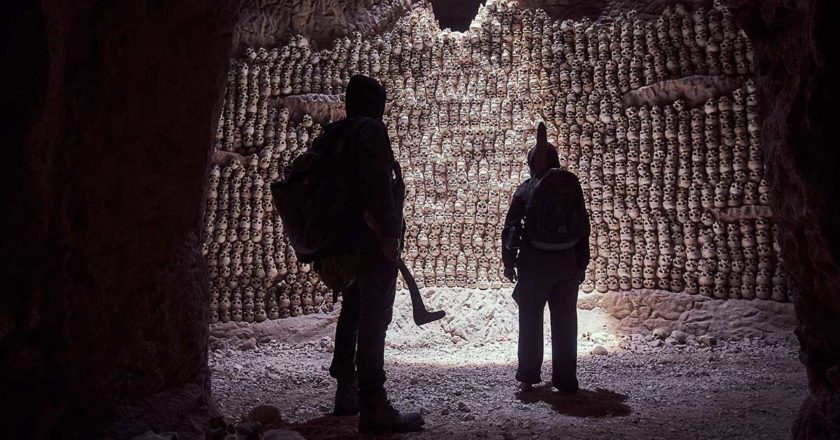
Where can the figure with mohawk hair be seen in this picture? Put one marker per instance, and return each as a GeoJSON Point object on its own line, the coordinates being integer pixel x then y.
{"type": "Point", "coordinates": [545, 250]}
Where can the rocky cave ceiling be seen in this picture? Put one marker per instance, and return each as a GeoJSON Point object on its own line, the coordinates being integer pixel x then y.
{"type": "Point", "coordinates": [267, 22]}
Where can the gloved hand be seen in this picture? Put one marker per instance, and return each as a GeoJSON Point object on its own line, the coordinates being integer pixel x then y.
{"type": "Point", "coordinates": [510, 274]}
{"type": "Point", "coordinates": [390, 248]}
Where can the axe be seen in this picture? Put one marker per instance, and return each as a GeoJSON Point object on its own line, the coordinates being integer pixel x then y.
{"type": "Point", "coordinates": [420, 313]}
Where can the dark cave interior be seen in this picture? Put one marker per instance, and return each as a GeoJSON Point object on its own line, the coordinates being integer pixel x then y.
{"type": "Point", "coordinates": [109, 133]}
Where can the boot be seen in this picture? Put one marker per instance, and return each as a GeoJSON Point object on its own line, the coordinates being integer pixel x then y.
{"type": "Point", "coordinates": [525, 387]}
{"type": "Point", "coordinates": [346, 398]}
{"type": "Point", "coordinates": [566, 388]}
{"type": "Point", "coordinates": [378, 416]}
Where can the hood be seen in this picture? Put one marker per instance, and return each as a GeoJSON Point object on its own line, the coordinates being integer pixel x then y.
{"type": "Point", "coordinates": [542, 156]}
{"type": "Point", "coordinates": [365, 97]}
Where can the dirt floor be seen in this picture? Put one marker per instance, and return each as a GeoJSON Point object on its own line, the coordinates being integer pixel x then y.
{"type": "Point", "coordinates": [639, 387]}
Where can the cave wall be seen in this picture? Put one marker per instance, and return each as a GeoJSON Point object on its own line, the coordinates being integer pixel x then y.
{"type": "Point", "coordinates": [656, 114]}
{"type": "Point", "coordinates": [797, 64]}
{"type": "Point", "coordinates": [271, 22]}
{"type": "Point", "coordinates": [103, 327]}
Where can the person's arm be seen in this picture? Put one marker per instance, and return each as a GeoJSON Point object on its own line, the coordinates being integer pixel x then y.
{"type": "Point", "coordinates": [513, 228]}
{"type": "Point", "coordinates": [582, 247]}
{"type": "Point", "coordinates": [376, 194]}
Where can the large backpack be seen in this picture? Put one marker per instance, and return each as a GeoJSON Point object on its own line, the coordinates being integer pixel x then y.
{"type": "Point", "coordinates": [555, 214]}
{"type": "Point", "coordinates": [316, 198]}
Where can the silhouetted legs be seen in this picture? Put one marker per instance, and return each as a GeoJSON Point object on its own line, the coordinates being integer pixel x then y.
{"type": "Point", "coordinates": [343, 366]}
{"type": "Point", "coordinates": [530, 349]}
{"type": "Point", "coordinates": [366, 312]}
{"type": "Point", "coordinates": [562, 302]}
{"type": "Point", "coordinates": [563, 306]}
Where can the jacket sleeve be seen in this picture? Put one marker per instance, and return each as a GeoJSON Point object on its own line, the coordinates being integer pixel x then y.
{"type": "Point", "coordinates": [376, 170]}
{"type": "Point", "coordinates": [582, 247]}
{"type": "Point", "coordinates": [513, 226]}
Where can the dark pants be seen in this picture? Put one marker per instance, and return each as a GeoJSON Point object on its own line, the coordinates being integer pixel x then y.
{"type": "Point", "coordinates": [562, 303]}
{"type": "Point", "coordinates": [547, 278]}
{"type": "Point", "coordinates": [366, 310]}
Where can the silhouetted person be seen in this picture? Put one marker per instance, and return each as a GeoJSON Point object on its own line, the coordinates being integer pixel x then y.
{"type": "Point", "coordinates": [372, 240]}
{"type": "Point", "coordinates": [545, 248]}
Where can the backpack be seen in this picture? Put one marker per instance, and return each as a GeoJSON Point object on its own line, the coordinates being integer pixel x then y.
{"type": "Point", "coordinates": [555, 214]}
{"type": "Point", "coordinates": [316, 198]}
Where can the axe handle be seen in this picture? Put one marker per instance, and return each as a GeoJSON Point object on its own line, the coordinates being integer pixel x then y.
{"type": "Point", "coordinates": [416, 299]}
{"type": "Point", "coordinates": [418, 310]}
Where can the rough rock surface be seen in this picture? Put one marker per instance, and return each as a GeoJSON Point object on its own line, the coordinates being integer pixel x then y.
{"type": "Point", "coordinates": [477, 317]}
{"type": "Point", "coordinates": [644, 311]}
{"type": "Point", "coordinates": [575, 9]}
{"type": "Point", "coordinates": [693, 90]}
{"type": "Point", "coordinates": [796, 58]}
{"type": "Point", "coordinates": [322, 108]}
{"type": "Point", "coordinates": [730, 215]}
{"type": "Point", "coordinates": [267, 22]}
{"type": "Point", "coordinates": [641, 388]}
{"type": "Point", "coordinates": [103, 327]}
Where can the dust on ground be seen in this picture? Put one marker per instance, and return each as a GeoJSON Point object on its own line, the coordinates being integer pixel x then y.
{"type": "Point", "coordinates": [462, 380]}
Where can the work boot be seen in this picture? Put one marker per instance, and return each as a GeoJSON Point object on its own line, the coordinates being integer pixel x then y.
{"type": "Point", "coordinates": [566, 388]}
{"type": "Point", "coordinates": [525, 387]}
{"type": "Point", "coordinates": [346, 398]}
{"type": "Point", "coordinates": [378, 416]}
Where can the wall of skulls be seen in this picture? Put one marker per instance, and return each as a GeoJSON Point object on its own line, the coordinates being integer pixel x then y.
{"type": "Point", "coordinates": [676, 192]}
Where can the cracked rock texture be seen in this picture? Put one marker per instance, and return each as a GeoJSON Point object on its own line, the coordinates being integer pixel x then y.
{"type": "Point", "coordinates": [267, 22]}
{"type": "Point", "coordinates": [104, 329]}
{"type": "Point", "coordinates": [644, 311]}
{"type": "Point", "coordinates": [478, 317]}
{"type": "Point", "coordinates": [322, 108]}
{"type": "Point", "coordinates": [796, 58]}
{"type": "Point", "coordinates": [693, 90]}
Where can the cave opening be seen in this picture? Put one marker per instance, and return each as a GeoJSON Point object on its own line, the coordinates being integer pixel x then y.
{"type": "Point", "coordinates": [655, 111]}
{"type": "Point", "coordinates": [710, 241]}
{"type": "Point", "coordinates": [455, 15]}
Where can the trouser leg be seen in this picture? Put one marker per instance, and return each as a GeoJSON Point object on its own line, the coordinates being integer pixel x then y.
{"type": "Point", "coordinates": [530, 351]}
{"type": "Point", "coordinates": [343, 365]}
{"type": "Point", "coordinates": [377, 286]}
{"type": "Point", "coordinates": [563, 306]}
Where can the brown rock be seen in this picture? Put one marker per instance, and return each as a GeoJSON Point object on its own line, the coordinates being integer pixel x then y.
{"type": "Point", "coordinates": [793, 47]}
{"type": "Point", "coordinates": [268, 415]}
{"type": "Point", "coordinates": [707, 340]}
{"type": "Point", "coordinates": [693, 90]}
{"type": "Point", "coordinates": [106, 285]}
{"type": "Point", "coordinates": [282, 434]}
{"type": "Point", "coordinates": [248, 344]}
{"type": "Point", "coordinates": [679, 336]}
{"type": "Point", "coordinates": [660, 333]}
{"type": "Point", "coordinates": [599, 350]}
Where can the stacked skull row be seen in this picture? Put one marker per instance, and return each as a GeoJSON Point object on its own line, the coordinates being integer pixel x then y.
{"type": "Point", "coordinates": [255, 273]}
{"type": "Point", "coordinates": [659, 180]}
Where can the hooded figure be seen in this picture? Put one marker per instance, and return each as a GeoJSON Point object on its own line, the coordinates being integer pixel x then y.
{"type": "Point", "coordinates": [369, 250]}
{"type": "Point", "coordinates": [367, 164]}
{"type": "Point", "coordinates": [542, 156]}
{"type": "Point", "coordinates": [365, 97]}
{"type": "Point", "coordinates": [544, 277]}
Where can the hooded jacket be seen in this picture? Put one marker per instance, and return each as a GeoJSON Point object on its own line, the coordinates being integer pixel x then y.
{"type": "Point", "coordinates": [374, 171]}
{"type": "Point", "coordinates": [541, 157]}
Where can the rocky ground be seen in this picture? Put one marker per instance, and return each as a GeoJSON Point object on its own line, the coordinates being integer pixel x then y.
{"type": "Point", "coordinates": [655, 386]}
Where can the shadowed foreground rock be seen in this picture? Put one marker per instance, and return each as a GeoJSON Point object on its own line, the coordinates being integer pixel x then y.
{"type": "Point", "coordinates": [797, 55]}
{"type": "Point", "coordinates": [104, 329]}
